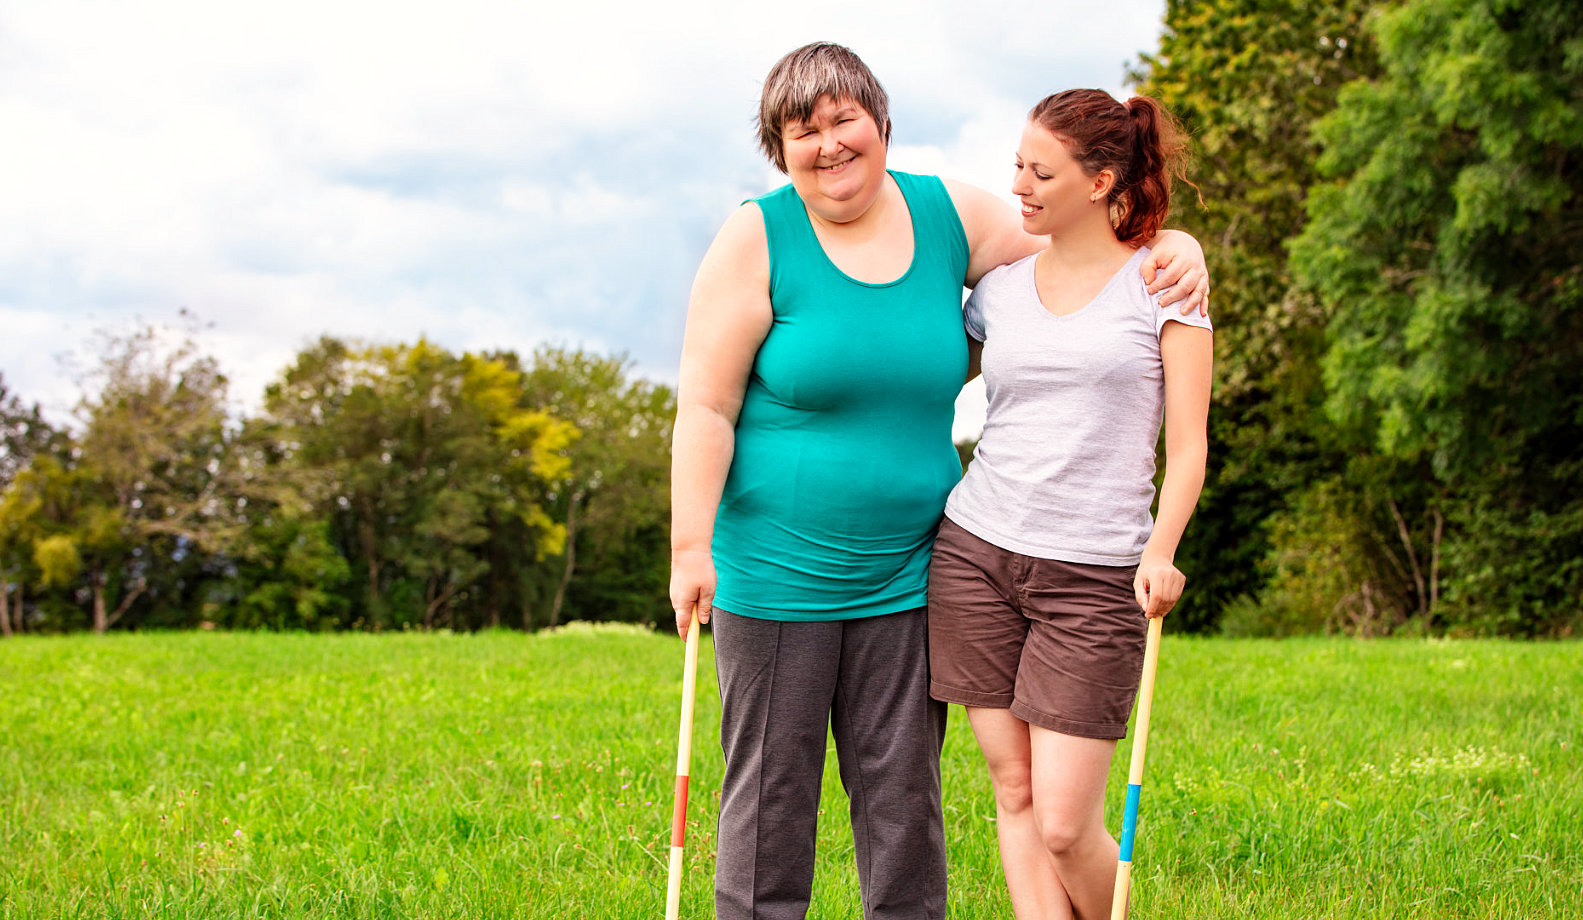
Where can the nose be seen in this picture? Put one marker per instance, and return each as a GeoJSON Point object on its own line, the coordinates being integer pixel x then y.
{"type": "Point", "coordinates": [1019, 182]}
{"type": "Point", "coordinates": [829, 144]}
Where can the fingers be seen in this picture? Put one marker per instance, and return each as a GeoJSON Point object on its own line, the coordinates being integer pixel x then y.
{"type": "Point", "coordinates": [1167, 275]}
{"type": "Point", "coordinates": [1187, 293]}
{"type": "Point", "coordinates": [1152, 608]}
{"type": "Point", "coordinates": [1158, 590]}
{"type": "Point", "coordinates": [1196, 284]}
{"type": "Point", "coordinates": [692, 588]}
{"type": "Point", "coordinates": [1167, 591]}
{"type": "Point", "coordinates": [702, 608]}
{"type": "Point", "coordinates": [1201, 294]}
{"type": "Point", "coordinates": [1151, 265]}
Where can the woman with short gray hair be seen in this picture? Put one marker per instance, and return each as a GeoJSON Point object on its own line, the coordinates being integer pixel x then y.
{"type": "Point", "coordinates": [823, 355]}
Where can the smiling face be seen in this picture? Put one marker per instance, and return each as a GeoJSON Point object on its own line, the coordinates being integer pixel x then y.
{"type": "Point", "coordinates": [835, 158]}
{"type": "Point", "coordinates": [1055, 192]}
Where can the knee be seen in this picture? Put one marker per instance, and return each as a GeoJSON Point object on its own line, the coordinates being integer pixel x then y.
{"type": "Point", "coordinates": [1060, 837]}
{"type": "Point", "coordinates": [1013, 788]}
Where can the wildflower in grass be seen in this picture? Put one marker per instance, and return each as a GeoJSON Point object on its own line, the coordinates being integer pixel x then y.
{"type": "Point", "coordinates": [1476, 762]}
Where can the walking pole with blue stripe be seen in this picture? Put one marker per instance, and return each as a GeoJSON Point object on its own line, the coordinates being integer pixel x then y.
{"type": "Point", "coordinates": [1140, 743]}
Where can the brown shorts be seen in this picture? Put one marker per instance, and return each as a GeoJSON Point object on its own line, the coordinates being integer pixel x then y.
{"type": "Point", "coordinates": [1060, 644]}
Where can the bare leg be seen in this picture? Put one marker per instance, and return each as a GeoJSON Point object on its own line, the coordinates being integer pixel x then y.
{"type": "Point", "coordinates": [1068, 785]}
{"type": "Point", "coordinates": [1036, 892]}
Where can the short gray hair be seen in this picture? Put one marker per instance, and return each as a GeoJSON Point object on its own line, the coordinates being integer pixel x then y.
{"type": "Point", "coordinates": [796, 82]}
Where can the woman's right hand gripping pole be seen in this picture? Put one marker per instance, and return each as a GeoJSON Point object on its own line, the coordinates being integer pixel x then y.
{"type": "Point", "coordinates": [692, 587]}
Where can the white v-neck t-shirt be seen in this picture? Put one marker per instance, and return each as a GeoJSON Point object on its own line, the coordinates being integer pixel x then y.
{"type": "Point", "coordinates": [1065, 467]}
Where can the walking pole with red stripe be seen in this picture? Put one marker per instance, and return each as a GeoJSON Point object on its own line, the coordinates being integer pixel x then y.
{"type": "Point", "coordinates": [1140, 744]}
{"type": "Point", "coordinates": [684, 753]}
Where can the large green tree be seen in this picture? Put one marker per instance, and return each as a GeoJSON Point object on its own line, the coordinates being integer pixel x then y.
{"type": "Point", "coordinates": [1446, 247]}
{"type": "Point", "coordinates": [614, 496]}
{"type": "Point", "coordinates": [415, 455]}
{"type": "Point", "coordinates": [152, 472]}
{"type": "Point", "coordinates": [1248, 79]}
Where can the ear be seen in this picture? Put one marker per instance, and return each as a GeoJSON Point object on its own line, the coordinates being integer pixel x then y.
{"type": "Point", "coordinates": [1103, 183]}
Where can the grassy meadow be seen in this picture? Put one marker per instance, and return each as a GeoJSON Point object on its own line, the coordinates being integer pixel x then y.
{"type": "Point", "coordinates": [502, 775]}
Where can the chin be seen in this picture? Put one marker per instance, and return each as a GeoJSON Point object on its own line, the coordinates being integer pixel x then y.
{"type": "Point", "coordinates": [853, 178]}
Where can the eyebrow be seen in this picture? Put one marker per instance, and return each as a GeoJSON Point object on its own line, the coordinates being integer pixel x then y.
{"type": "Point", "coordinates": [846, 108]}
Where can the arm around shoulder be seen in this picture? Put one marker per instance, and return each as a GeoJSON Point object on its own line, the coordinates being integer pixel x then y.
{"type": "Point", "coordinates": [1176, 267]}
{"type": "Point", "coordinates": [994, 230]}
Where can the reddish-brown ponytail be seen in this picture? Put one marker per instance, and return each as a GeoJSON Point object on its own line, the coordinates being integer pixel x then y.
{"type": "Point", "coordinates": [1137, 140]}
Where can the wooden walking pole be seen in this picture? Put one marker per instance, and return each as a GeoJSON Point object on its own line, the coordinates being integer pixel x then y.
{"type": "Point", "coordinates": [684, 752]}
{"type": "Point", "coordinates": [1140, 743]}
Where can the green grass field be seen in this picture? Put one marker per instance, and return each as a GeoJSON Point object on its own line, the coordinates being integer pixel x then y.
{"type": "Point", "coordinates": [508, 776]}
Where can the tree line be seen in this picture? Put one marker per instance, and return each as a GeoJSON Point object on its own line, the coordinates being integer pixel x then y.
{"type": "Point", "coordinates": [1393, 213]}
{"type": "Point", "coordinates": [379, 487]}
{"type": "Point", "coordinates": [1391, 199]}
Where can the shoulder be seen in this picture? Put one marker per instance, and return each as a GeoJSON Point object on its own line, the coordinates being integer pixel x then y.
{"type": "Point", "coordinates": [1149, 304]}
{"type": "Point", "coordinates": [978, 209]}
{"type": "Point", "coordinates": [774, 197]}
{"type": "Point", "coordinates": [1009, 276]}
{"type": "Point", "coordinates": [743, 230]}
{"type": "Point", "coordinates": [740, 248]}
{"type": "Point", "coordinates": [1001, 286]}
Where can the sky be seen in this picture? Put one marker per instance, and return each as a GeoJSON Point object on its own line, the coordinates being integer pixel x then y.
{"type": "Point", "coordinates": [483, 174]}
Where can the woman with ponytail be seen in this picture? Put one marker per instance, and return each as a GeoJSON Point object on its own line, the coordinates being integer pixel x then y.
{"type": "Point", "coordinates": [1048, 561]}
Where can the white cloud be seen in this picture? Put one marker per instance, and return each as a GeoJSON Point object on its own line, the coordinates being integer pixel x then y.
{"type": "Point", "coordinates": [486, 173]}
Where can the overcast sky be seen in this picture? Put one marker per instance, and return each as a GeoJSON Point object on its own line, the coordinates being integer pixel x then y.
{"type": "Point", "coordinates": [486, 174]}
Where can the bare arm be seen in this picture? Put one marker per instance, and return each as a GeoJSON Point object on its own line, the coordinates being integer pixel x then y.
{"type": "Point", "coordinates": [993, 229]}
{"type": "Point", "coordinates": [728, 316]}
{"type": "Point", "coordinates": [1187, 353]}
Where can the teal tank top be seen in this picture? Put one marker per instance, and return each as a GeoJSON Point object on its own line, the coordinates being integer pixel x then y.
{"type": "Point", "coordinates": [843, 454]}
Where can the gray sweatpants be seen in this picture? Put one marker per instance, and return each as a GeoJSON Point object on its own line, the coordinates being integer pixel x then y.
{"type": "Point", "coordinates": [781, 685]}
